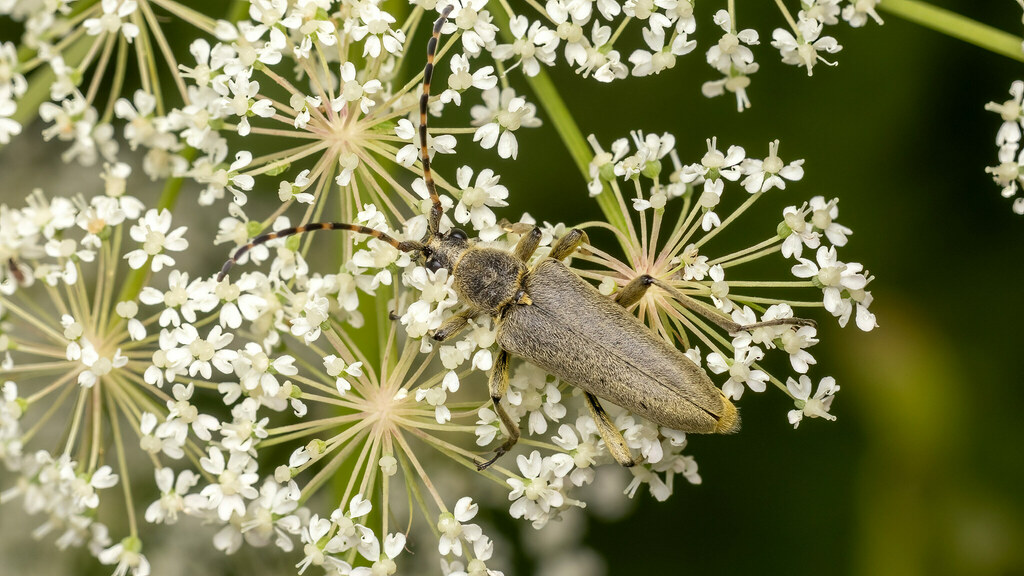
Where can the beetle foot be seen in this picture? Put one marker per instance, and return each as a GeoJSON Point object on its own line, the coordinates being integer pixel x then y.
{"type": "Point", "coordinates": [481, 466]}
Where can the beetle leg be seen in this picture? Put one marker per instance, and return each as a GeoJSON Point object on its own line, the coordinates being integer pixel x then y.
{"type": "Point", "coordinates": [609, 433]}
{"type": "Point", "coordinates": [454, 324]}
{"type": "Point", "coordinates": [724, 322]}
{"type": "Point", "coordinates": [527, 245]}
{"type": "Point", "coordinates": [632, 293]}
{"type": "Point", "coordinates": [498, 386]}
{"type": "Point", "coordinates": [568, 244]}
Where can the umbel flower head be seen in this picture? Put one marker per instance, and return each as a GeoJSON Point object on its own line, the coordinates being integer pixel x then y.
{"type": "Point", "coordinates": [696, 298]}
{"type": "Point", "coordinates": [329, 96]}
{"type": "Point", "coordinates": [77, 356]}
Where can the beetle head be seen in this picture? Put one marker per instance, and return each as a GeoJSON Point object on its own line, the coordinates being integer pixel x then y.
{"type": "Point", "coordinates": [443, 249]}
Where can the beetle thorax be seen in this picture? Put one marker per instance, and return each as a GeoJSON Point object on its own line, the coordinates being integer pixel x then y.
{"type": "Point", "coordinates": [488, 279]}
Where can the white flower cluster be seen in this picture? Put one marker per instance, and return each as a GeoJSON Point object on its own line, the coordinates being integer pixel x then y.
{"type": "Point", "coordinates": [77, 122]}
{"type": "Point", "coordinates": [284, 45]}
{"type": "Point", "coordinates": [12, 86]}
{"type": "Point", "coordinates": [56, 488]}
{"type": "Point", "coordinates": [455, 530]}
{"type": "Point", "coordinates": [60, 490]}
{"type": "Point", "coordinates": [276, 308]}
{"type": "Point", "coordinates": [1009, 173]}
{"type": "Point", "coordinates": [263, 510]}
{"type": "Point", "coordinates": [69, 329]}
{"type": "Point", "coordinates": [545, 487]}
{"type": "Point", "coordinates": [346, 115]}
{"type": "Point", "coordinates": [42, 233]}
{"type": "Point", "coordinates": [667, 27]}
{"type": "Point", "coordinates": [326, 541]}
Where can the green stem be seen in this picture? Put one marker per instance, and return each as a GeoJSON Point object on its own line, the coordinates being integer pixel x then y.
{"type": "Point", "coordinates": [957, 26]}
{"type": "Point", "coordinates": [574, 142]}
{"type": "Point", "coordinates": [37, 93]}
{"type": "Point", "coordinates": [168, 198]}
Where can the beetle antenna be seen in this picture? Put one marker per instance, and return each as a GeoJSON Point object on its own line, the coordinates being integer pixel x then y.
{"type": "Point", "coordinates": [405, 246]}
{"type": "Point", "coordinates": [435, 211]}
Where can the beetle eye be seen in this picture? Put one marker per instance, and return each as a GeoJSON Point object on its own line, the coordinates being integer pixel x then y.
{"type": "Point", "coordinates": [458, 233]}
{"type": "Point", "coordinates": [433, 265]}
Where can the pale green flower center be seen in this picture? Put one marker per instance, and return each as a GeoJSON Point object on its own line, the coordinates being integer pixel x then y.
{"type": "Point", "coordinates": [821, 219]}
{"type": "Point", "coordinates": [96, 225]}
{"type": "Point", "coordinates": [202, 350]}
{"type": "Point", "coordinates": [474, 197]}
{"type": "Point", "coordinates": [728, 43]}
{"type": "Point", "coordinates": [830, 276]}
{"type": "Point", "coordinates": [449, 526]}
{"type": "Point", "coordinates": [313, 552]}
{"type": "Point", "coordinates": [816, 408]}
{"type": "Point", "coordinates": [795, 222]}
{"type": "Point", "coordinates": [772, 164]}
{"type": "Point", "coordinates": [466, 19]}
{"type": "Point", "coordinates": [102, 366]}
{"type": "Point", "coordinates": [532, 400]}
{"type": "Point", "coordinates": [476, 567]}
{"type": "Point", "coordinates": [186, 412]}
{"type": "Point", "coordinates": [526, 48]}
{"type": "Point", "coordinates": [460, 80]}
{"type": "Point", "coordinates": [807, 53]}
{"type": "Point", "coordinates": [260, 362]}
{"type": "Point", "coordinates": [713, 159]}
{"type": "Point", "coordinates": [739, 372]}
{"type": "Point", "coordinates": [384, 567]}
{"type": "Point", "coordinates": [533, 490]}
{"type": "Point", "coordinates": [643, 9]}
{"type": "Point", "coordinates": [737, 83]}
{"type": "Point", "coordinates": [663, 60]}
{"type": "Point", "coordinates": [228, 481]}
{"type": "Point", "coordinates": [572, 33]}
{"type": "Point", "coordinates": [511, 120]}
{"type": "Point", "coordinates": [110, 22]}
{"type": "Point", "coordinates": [154, 242]}
{"type": "Point", "coordinates": [1010, 111]}
{"type": "Point", "coordinates": [1005, 173]}
{"type": "Point", "coordinates": [352, 91]}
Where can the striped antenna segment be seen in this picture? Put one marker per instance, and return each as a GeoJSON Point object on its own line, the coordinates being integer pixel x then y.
{"type": "Point", "coordinates": [403, 246]}
{"type": "Point", "coordinates": [435, 211]}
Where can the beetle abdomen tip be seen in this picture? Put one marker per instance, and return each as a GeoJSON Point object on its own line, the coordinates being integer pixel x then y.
{"type": "Point", "coordinates": [729, 421]}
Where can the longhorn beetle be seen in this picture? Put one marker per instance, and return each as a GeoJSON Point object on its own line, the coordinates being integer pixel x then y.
{"type": "Point", "coordinates": [549, 316]}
